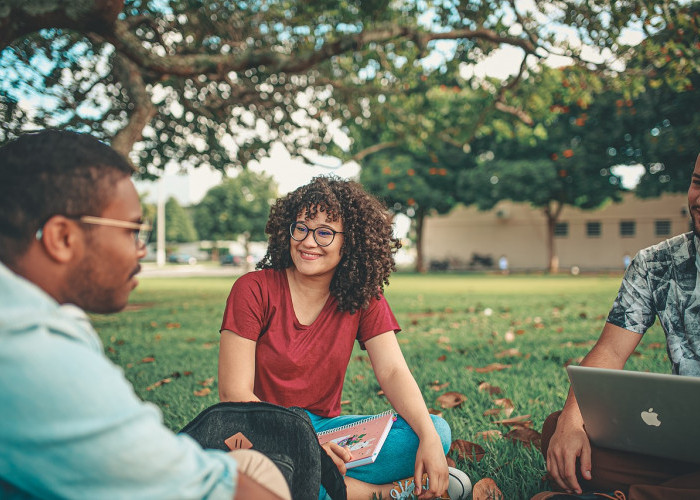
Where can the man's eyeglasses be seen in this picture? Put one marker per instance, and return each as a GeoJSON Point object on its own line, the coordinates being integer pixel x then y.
{"type": "Point", "coordinates": [142, 230]}
{"type": "Point", "coordinates": [323, 236]}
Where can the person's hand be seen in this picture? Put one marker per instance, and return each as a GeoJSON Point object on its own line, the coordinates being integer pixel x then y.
{"type": "Point", "coordinates": [568, 443]}
{"type": "Point", "coordinates": [430, 459]}
{"type": "Point", "coordinates": [338, 454]}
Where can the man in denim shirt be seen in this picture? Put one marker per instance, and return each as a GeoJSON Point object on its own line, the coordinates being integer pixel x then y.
{"type": "Point", "coordinates": [661, 281]}
{"type": "Point", "coordinates": [70, 240]}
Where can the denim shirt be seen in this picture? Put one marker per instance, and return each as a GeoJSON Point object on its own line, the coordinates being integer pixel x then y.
{"type": "Point", "coordinates": [662, 281]}
{"type": "Point", "coordinates": [71, 425]}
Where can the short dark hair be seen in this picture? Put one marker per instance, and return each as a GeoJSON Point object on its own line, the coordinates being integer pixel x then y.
{"type": "Point", "coordinates": [52, 172]}
{"type": "Point", "coordinates": [368, 241]}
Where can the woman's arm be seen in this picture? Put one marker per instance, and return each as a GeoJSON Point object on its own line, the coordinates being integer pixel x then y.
{"type": "Point", "coordinates": [403, 393]}
{"type": "Point", "coordinates": [236, 368]}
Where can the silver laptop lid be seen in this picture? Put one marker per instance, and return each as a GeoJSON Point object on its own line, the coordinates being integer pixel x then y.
{"type": "Point", "coordinates": [649, 413]}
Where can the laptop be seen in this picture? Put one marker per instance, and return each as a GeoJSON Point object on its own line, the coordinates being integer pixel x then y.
{"type": "Point", "coordinates": [649, 413]}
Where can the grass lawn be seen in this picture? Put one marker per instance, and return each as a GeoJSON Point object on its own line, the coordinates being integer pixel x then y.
{"type": "Point", "coordinates": [454, 328]}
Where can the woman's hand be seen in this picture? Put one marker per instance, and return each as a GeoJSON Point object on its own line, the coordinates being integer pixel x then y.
{"type": "Point", "coordinates": [430, 459]}
{"type": "Point", "coordinates": [338, 454]}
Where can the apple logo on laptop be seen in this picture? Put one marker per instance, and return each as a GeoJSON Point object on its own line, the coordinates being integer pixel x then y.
{"type": "Point", "coordinates": [650, 417]}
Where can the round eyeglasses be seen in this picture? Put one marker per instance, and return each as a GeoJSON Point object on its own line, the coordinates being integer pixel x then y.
{"type": "Point", "coordinates": [323, 236]}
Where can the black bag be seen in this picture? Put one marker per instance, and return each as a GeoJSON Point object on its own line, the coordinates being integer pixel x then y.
{"type": "Point", "coordinates": [284, 435]}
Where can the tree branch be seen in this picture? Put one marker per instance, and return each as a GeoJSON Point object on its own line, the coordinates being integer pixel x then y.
{"type": "Point", "coordinates": [373, 149]}
{"type": "Point", "coordinates": [143, 111]}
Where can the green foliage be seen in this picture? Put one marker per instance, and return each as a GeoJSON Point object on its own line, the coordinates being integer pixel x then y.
{"type": "Point", "coordinates": [179, 227]}
{"type": "Point", "coordinates": [239, 206]}
{"type": "Point", "coordinates": [188, 77]}
{"type": "Point", "coordinates": [552, 320]}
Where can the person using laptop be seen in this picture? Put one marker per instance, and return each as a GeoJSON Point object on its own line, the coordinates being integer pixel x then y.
{"type": "Point", "coordinates": [71, 237]}
{"type": "Point", "coordinates": [661, 281]}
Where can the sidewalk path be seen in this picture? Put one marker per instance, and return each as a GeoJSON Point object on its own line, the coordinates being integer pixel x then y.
{"type": "Point", "coordinates": [151, 270]}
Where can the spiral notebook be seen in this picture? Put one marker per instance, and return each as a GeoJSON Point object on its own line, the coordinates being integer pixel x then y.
{"type": "Point", "coordinates": [363, 438]}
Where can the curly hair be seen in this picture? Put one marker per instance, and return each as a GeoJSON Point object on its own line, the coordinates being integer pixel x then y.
{"type": "Point", "coordinates": [368, 246]}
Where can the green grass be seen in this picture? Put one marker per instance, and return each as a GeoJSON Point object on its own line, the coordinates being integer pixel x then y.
{"type": "Point", "coordinates": [553, 319]}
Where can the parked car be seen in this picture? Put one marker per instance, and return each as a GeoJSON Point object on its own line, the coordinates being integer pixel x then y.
{"type": "Point", "coordinates": [182, 258]}
{"type": "Point", "coordinates": [230, 260]}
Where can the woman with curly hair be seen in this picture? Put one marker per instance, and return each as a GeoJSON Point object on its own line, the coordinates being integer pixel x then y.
{"type": "Point", "coordinates": [289, 329]}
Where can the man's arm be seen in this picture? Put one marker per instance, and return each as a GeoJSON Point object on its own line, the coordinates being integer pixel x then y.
{"type": "Point", "coordinates": [570, 441]}
{"type": "Point", "coordinates": [248, 488]}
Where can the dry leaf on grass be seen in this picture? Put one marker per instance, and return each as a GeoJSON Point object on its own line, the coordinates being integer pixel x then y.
{"type": "Point", "coordinates": [148, 359]}
{"type": "Point", "coordinates": [466, 450]}
{"type": "Point", "coordinates": [492, 411]}
{"type": "Point", "coordinates": [451, 399]}
{"type": "Point", "coordinates": [506, 404]}
{"type": "Point", "coordinates": [489, 435]}
{"type": "Point", "coordinates": [525, 436]}
{"type": "Point", "coordinates": [493, 367]}
{"type": "Point", "coordinates": [655, 345]}
{"type": "Point", "coordinates": [520, 420]}
{"type": "Point", "coordinates": [491, 389]}
{"type": "Point", "coordinates": [451, 462]}
{"type": "Point", "coordinates": [486, 489]}
{"type": "Point", "coordinates": [380, 392]}
{"type": "Point", "coordinates": [508, 353]}
{"type": "Point", "coordinates": [202, 392]}
{"type": "Point", "coordinates": [172, 325]}
{"type": "Point", "coordinates": [442, 358]}
{"type": "Point", "coordinates": [159, 383]}
{"type": "Point", "coordinates": [207, 382]}
{"type": "Point", "coordinates": [438, 387]}
{"type": "Point", "coordinates": [345, 402]}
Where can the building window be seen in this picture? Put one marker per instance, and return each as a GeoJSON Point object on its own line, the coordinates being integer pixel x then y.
{"type": "Point", "coordinates": [662, 227]}
{"type": "Point", "coordinates": [561, 229]}
{"type": "Point", "coordinates": [593, 229]}
{"type": "Point", "coordinates": [628, 228]}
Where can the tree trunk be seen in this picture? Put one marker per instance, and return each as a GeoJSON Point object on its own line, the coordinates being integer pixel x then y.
{"type": "Point", "coordinates": [552, 212]}
{"type": "Point", "coordinates": [420, 218]}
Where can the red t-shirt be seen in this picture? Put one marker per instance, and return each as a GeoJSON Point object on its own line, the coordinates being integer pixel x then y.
{"type": "Point", "coordinates": [295, 364]}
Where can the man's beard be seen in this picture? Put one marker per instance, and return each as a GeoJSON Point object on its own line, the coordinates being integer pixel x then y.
{"type": "Point", "coordinates": [696, 229]}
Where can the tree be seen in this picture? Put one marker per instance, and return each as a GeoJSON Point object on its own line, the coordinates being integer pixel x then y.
{"type": "Point", "coordinates": [564, 159]}
{"type": "Point", "coordinates": [216, 82]}
{"type": "Point", "coordinates": [239, 206]}
{"type": "Point", "coordinates": [179, 227]}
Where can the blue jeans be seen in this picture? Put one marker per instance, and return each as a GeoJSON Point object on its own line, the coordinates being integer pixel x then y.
{"type": "Point", "coordinates": [396, 459]}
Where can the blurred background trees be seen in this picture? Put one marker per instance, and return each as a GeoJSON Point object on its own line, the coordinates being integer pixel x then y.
{"type": "Point", "coordinates": [390, 85]}
{"type": "Point", "coordinates": [236, 208]}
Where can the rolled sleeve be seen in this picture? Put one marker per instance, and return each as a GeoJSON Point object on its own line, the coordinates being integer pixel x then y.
{"type": "Point", "coordinates": [633, 308]}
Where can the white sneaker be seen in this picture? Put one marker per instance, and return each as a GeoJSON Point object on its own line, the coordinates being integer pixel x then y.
{"type": "Point", "coordinates": [458, 488]}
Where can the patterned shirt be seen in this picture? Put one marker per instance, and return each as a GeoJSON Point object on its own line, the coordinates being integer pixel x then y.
{"type": "Point", "coordinates": [662, 281]}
